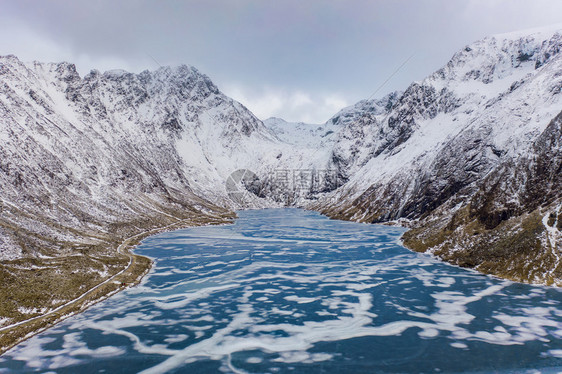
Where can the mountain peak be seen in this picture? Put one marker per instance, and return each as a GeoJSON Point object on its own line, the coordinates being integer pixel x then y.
{"type": "Point", "coordinates": [538, 33]}
{"type": "Point", "coordinates": [502, 55]}
{"type": "Point", "coordinates": [115, 73]}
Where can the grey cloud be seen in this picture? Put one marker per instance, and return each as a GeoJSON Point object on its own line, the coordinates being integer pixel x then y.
{"type": "Point", "coordinates": [322, 48]}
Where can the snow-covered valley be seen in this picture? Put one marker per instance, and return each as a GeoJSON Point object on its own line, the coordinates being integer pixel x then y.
{"type": "Point", "coordinates": [470, 158]}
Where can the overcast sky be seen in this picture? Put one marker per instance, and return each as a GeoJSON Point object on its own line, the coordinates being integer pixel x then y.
{"type": "Point", "coordinates": [301, 60]}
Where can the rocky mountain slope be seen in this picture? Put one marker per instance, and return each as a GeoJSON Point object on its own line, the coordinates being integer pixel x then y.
{"type": "Point", "coordinates": [474, 144]}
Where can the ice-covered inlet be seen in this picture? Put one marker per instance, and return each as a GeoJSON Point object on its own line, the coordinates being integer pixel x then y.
{"type": "Point", "coordinates": [291, 291]}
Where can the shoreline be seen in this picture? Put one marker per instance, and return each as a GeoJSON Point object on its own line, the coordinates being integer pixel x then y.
{"type": "Point", "coordinates": [137, 268]}
{"type": "Point", "coordinates": [480, 255]}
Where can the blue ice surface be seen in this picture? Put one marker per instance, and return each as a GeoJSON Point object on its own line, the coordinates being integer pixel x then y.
{"type": "Point", "coordinates": [291, 291]}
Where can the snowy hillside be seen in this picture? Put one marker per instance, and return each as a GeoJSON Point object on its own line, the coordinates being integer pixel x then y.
{"type": "Point", "coordinates": [304, 135]}
{"type": "Point", "coordinates": [487, 104]}
{"type": "Point", "coordinates": [84, 153]}
{"type": "Point", "coordinates": [108, 148]}
{"type": "Point", "coordinates": [483, 111]}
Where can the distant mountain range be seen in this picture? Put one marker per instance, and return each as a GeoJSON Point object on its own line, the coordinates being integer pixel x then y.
{"type": "Point", "coordinates": [470, 158]}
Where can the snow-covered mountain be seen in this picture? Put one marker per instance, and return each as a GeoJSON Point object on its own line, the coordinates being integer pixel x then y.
{"type": "Point", "coordinates": [360, 135]}
{"type": "Point", "coordinates": [435, 147]}
{"type": "Point", "coordinates": [80, 154]}
{"type": "Point", "coordinates": [304, 135]}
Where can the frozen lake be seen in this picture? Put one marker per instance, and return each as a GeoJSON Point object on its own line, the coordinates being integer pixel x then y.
{"type": "Point", "coordinates": [290, 291]}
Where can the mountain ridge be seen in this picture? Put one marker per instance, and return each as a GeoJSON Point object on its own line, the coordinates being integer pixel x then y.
{"type": "Point", "coordinates": [483, 112]}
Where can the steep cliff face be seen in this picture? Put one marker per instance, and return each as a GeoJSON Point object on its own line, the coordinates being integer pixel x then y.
{"type": "Point", "coordinates": [524, 184]}
{"type": "Point", "coordinates": [363, 134]}
{"type": "Point", "coordinates": [476, 140]}
{"type": "Point", "coordinates": [510, 226]}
